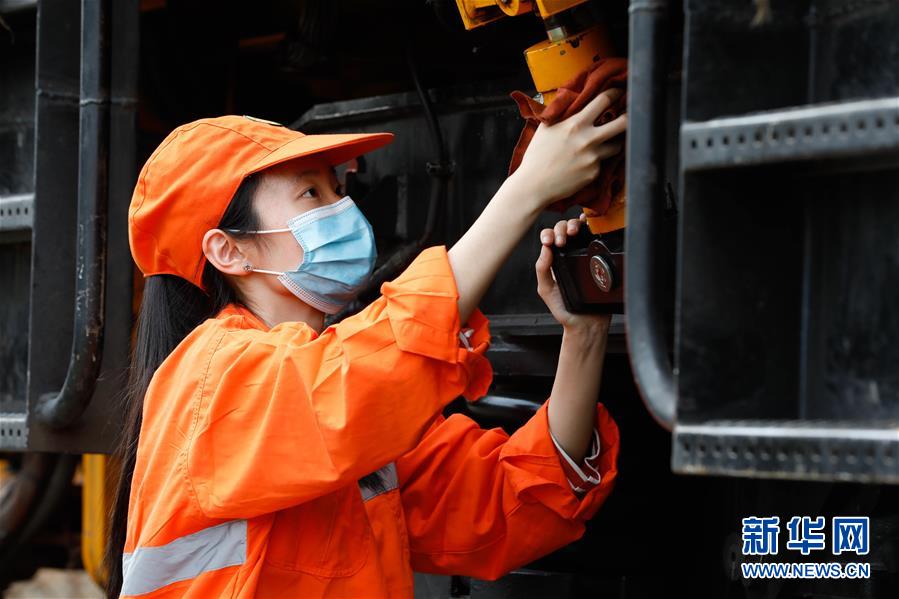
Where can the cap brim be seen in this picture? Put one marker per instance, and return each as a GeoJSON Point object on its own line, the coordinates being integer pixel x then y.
{"type": "Point", "coordinates": [336, 148]}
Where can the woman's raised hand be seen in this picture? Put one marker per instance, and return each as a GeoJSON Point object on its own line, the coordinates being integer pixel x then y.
{"type": "Point", "coordinates": [563, 158]}
{"type": "Point", "coordinates": [560, 160]}
{"type": "Point", "coordinates": [548, 289]}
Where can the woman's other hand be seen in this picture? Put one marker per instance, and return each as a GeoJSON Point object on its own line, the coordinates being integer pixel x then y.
{"type": "Point", "coordinates": [563, 158]}
{"type": "Point", "coordinates": [548, 288]}
{"type": "Point", "coordinates": [572, 402]}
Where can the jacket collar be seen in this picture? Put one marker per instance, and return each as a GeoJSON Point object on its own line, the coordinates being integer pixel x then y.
{"type": "Point", "coordinates": [251, 320]}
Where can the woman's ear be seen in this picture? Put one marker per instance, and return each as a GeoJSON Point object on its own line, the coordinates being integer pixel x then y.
{"type": "Point", "coordinates": [223, 252]}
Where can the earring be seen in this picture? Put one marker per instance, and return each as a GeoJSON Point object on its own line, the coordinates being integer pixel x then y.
{"type": "Point", "coordinates": [248, 267]}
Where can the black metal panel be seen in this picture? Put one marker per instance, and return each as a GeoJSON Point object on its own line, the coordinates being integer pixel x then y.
{"type": "Point", "coordinates": [734, 68]}
{"type": "Point", "coordinates": [17, 104]}
{"type": "Point", "coordinates": [16, 209]}
{"type": "Point", "coordinates": [739, 298]}
{"type": "Point", "coordinates": [809, 51]}
{"type": "Point", "coordinates": [791, 317]}
{"type": "Point", "coordinates": [851, 354]}
{"type": "Point", "coordinates": [525, 584]}
{"type": "Point", "coordinates": [853, 50]}
{"type": "Point", "coordinates": [15, 261]}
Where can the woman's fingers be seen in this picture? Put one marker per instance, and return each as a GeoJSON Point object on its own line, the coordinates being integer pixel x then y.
{"type": "Point", "coordinates": [560, 232]}
{"type": "Point", "coordinates": [573, 225]}
{"type": "Point", "coordinates": [598, 105]}
{"type": "Point", "coordinates": [545, 279]}
{"type": "Point", "coordinates": [608, 149]}
{"type": "Point", "coordinates": [564, 228]}
{"type": "Point", "coordinates": [611, 129]}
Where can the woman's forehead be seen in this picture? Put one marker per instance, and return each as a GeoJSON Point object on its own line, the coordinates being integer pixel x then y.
{"type": "Point", "coordinates": [305, 167]}
{"type": "Point", "coordinates": [287, 180]}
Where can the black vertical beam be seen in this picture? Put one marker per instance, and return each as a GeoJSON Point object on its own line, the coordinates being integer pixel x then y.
{"type": "Point", "coordinates": [55, 182]}
{"type": "Point", "coordinates": [645, 208]}
{"type": "Point", "coordinates": [60, 409]}
{"type": "Point", "coordinates": [53, 264]}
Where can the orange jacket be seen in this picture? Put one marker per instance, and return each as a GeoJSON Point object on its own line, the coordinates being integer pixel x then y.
{"type": "Point", "coordinates": [253, 440]}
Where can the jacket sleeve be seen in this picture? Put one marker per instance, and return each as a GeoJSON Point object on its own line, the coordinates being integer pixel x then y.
{"type": "Point", "coordinates": [481, 503]}
{"type": "Point", "coordinates": [284, 416]}
{"type": "Point", "coordinates": [584, 476]}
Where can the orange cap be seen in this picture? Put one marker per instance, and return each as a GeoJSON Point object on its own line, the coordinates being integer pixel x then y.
{"type": "Point", "coordinates": [187, 183]}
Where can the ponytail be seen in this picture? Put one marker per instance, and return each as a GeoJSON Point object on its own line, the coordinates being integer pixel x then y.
{"type": "Point", "coordinates": [171, 308]}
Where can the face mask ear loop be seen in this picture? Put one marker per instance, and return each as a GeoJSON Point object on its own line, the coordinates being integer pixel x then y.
{"type": "Point", "coordinates": [259, 232]}
{"type": "Point", "coordinates": [251, 268]}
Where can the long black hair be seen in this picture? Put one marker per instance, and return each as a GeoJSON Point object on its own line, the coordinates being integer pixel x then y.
{"type": "Point", "coordinates": [170, 309]}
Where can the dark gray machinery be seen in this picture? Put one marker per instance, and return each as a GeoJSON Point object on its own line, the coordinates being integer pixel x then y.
{"type": "Point", "coordinates": [67, 268]}
{"type": "Point", "coordinates": [786, 346]}
{"type": "Point", "coordinates": [762, 253]}
{"type": "Point", "coordinates": [68, 146]}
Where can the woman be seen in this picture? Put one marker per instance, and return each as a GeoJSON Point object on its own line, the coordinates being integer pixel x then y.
{"type": "Point", "coordinates": [266, 455]}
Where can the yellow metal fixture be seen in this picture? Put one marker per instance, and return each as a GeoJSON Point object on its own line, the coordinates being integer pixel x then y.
{"type": "Point", "coordinates": [568, 50]}
{"type": "Point", "coordinates": [96, 498]}
{"type": "Point", "coordinates": [553, 62]}
{"type": "Point", "coordinates": [548, 8]}
{"type": "Point", "coordinates": [477, 13]}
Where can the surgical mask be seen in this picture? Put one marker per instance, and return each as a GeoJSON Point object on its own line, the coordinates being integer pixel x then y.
{"type": "Point", "coordinates": [338, 255]}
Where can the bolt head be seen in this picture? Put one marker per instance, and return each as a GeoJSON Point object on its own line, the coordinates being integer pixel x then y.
{"type": "Point", "coordinates": [601, 273]}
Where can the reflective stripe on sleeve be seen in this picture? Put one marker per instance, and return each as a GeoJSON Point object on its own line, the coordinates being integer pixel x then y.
{"type": "Point", "coordinates": [388, 482]}
{"type": "Point", "coordinates": [150, 568]}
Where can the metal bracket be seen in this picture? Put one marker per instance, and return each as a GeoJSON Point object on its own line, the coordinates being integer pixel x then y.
{"type": "Point", "coordinates": [13, 431]}
{"type": "Point", "coordinates": [811, 450]}
{"type": "Point", "coordinates": [826, 131]}
{"type": "Point", "coordinates": [17, 212]}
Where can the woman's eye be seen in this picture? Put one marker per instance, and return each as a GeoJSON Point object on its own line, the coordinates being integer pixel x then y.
{"type": "Point", "coordinates": [339, 190]}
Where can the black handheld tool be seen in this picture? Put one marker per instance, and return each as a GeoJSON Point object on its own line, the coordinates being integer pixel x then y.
{"type": "Point", "coordinates": [589, 270]}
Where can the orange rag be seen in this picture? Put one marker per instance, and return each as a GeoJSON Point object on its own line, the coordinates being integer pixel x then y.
{"type": "Point", "coordinates": [570, 98]}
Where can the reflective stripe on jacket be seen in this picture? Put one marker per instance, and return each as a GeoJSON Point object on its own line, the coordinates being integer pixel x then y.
{"type": "Point", "coordinates": [254, 439]}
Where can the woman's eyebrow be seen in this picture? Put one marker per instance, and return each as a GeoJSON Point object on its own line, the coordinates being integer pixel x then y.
{"type": "Point", "coordinates": [301, 181]}
{"type": "Point", "coordinates": [315, 171]}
